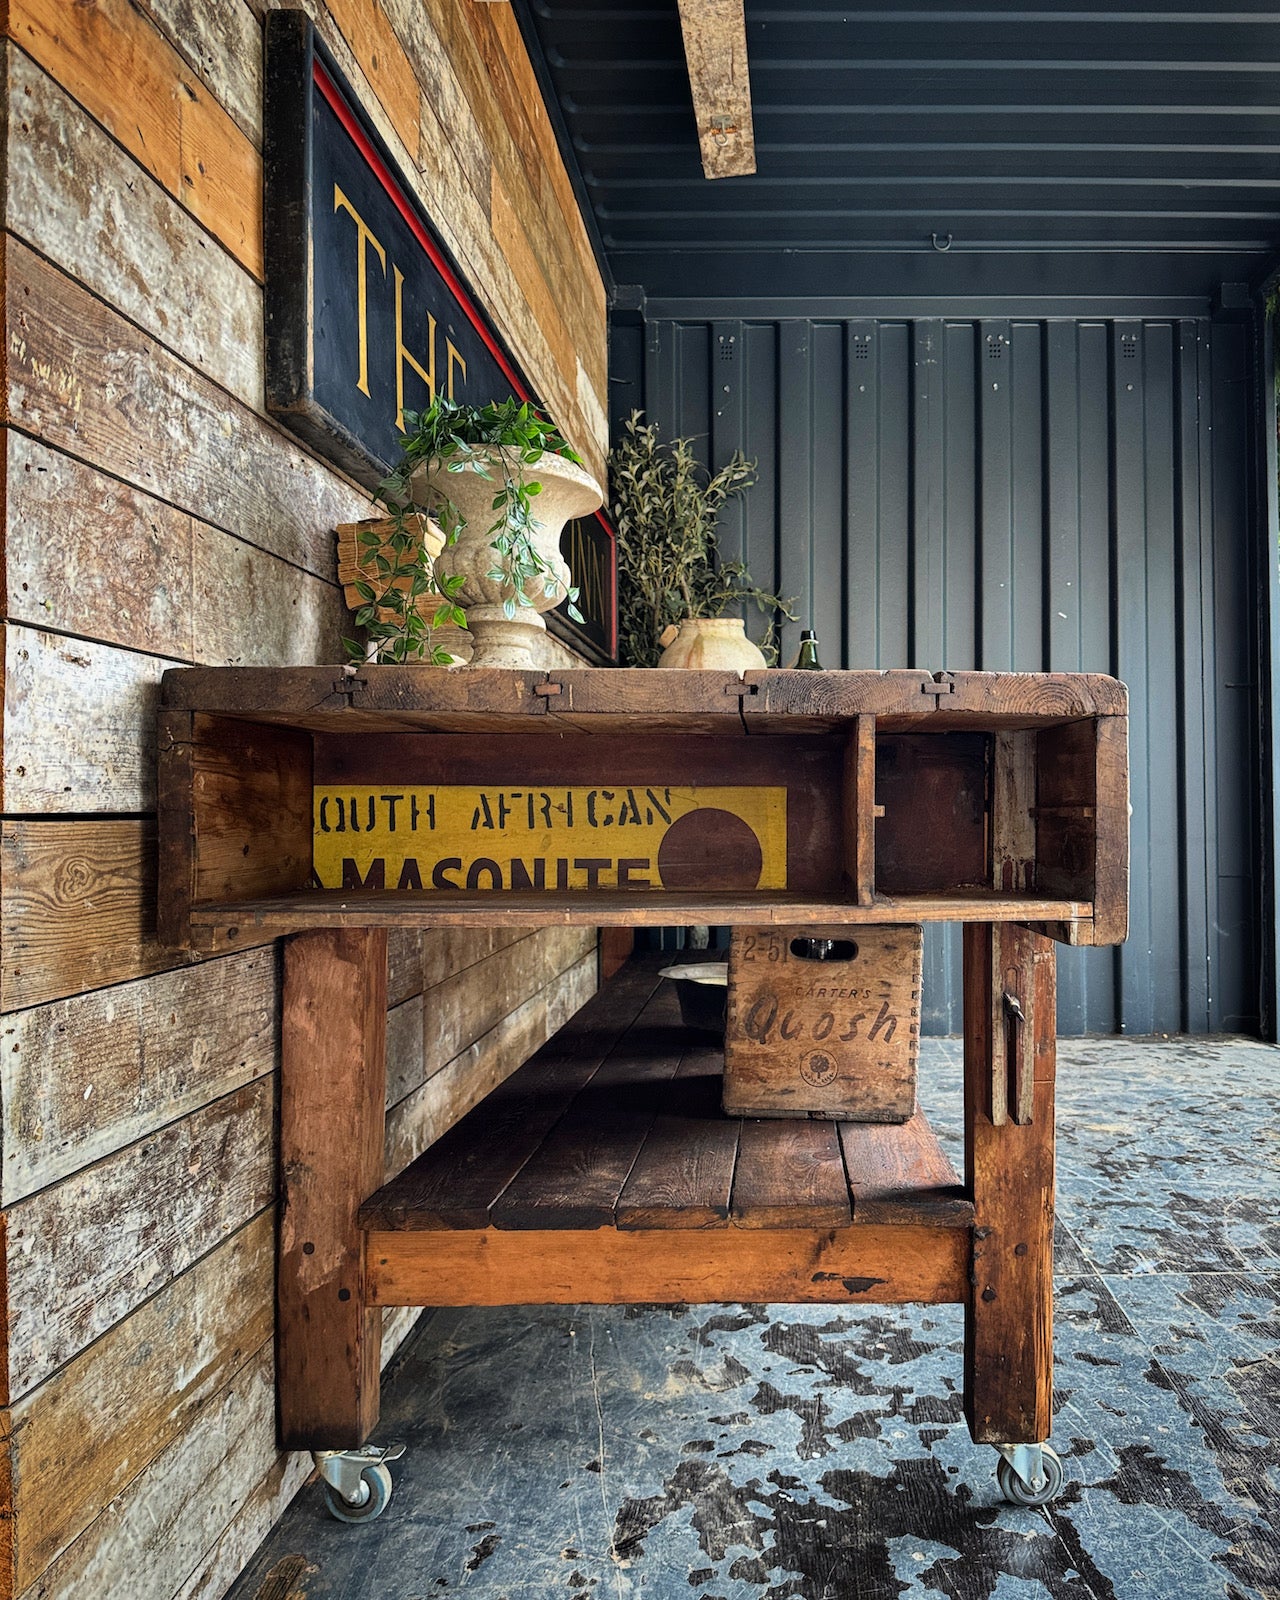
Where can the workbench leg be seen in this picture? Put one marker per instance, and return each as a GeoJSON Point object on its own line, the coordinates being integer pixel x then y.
{"type": "Point", "coordinates": [333, 1076]}
{"type": "Point", "coordinates": [1009, 1049]}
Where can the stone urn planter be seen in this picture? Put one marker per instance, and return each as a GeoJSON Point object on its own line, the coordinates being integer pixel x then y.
{"type": "Point", "coordinates": [718, 643]}
{"type": "Point", "coordinates": [568, 491]}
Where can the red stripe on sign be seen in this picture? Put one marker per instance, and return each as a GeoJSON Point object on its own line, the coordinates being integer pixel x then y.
{"type": "Point", "coordinates": [338, 105]}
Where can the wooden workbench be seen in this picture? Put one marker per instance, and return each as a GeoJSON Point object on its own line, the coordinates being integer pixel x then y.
{"type": "Point", "coordinates": [604, 1171]}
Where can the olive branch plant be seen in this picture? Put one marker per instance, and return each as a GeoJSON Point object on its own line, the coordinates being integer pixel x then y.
{"type": "Point", "coordinates": [666, 506]}
{"type": "Point", "coordinates": [459, 438]}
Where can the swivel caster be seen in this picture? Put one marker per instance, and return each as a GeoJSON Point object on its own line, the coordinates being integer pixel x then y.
{"type": "Point", "coordinates": [1029, 1474]}
{"type": "Point", "coordinates": [357, 1483]}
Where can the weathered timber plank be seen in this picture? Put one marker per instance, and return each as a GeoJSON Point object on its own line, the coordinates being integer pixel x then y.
{"type": "Point", "coordinates": [80, 1438]}
{"type": "Point", "coordinates": [429, 1112]}
{"type": "Point", "coordinates": [770, 701]}
{"type": "Point", "coordinates": [404, 964]}
{"type": "Point", "coordinates": [564, 244]}
{"type": "Point", "coordinates": [449, 950]}
{"type": "Point", "coordinates": [332, 1094]}
{"type": "Point", "coordinates": [168, 121]}
{"type": "Point", "coordinates": [253, 609]}
{"type": "Point", "coordinates": [387, 71]}
{"type": "Point", "coordinates": [86, 1252]}
{"type": "Point", "coordinates": [222, 41]}
{"type": "Point", "coordinates": [219, 1567]}
{"type": "Point", "coordinates": [83, 1077]}
{"type": "Point", "coordinates": [1035, 694]}
{"type": "Point", "coordinates": [1013, 798]}
{"type": "Point", "coordinates": [645, 909]}
{"type": "Point", "coordinates": [539, 293]}
{"type": "Point", "coordinates": [858, 810]}
{"type": "Point", "coordinates": [79, 199]}
{"type": "Point", "coordinates": [715, 48]}
{"type": "Point", "coordinates": [398, 1322]}
{"type": "Point", "coordinates": [85, 380]}
{"type": "Point", "coordinates": [480, 693]}
{"type": "Point", "coordinates": [782, 694]}
{"type": "Point", "coordinates": [683, 1175]}
{"type": "Point", "coordinates": [77, 542]}
{"type": "Point", "coordinates": [446, 106]}
{"type": "Point", "coordinates": [1008, 1364]}
{"type": "Point", "coordinates": [1111, 843]}
{"type": "Point", "coordinates": [453, 1184]}
{"type": "Point", "coordinates": [460, 973]}
{"type": "Point", "coordinates": [404, 1049]}
{"type": "Point", "coordinates": [77, 908]}
{"type": "Point", "coordinates": [900, 1174]}
{"type": "Point", "coordinates": [478, 71]}
{"type": "Point", "coordinates": [164, 1525]}
{"type": "Point", "coordinates": [575, 1176]}
{"type": "Point", "coordinates": [108, 696]}
{"type": "Point", "coordinates": [466, 1005]}
{"type": "Point", "coordinates": [610, 1267]}
{"type": "Point", "coordinates": [789, 1174]}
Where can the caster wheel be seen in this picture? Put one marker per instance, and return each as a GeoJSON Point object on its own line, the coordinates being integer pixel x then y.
{"type": "Point", "coordinates": [377, 1480]}
{"type": "Point", "coordinates": [1017, 1493]}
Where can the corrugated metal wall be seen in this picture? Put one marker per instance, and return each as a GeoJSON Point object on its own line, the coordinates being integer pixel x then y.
{"type": "Point", "coordinates": [1037, 495]}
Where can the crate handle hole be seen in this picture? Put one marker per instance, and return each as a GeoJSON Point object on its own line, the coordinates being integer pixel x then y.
{"type": "Point", "coordinates": [824, 949]}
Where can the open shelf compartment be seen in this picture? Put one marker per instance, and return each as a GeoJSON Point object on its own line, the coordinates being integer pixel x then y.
{"type": "Point", "coordinates": [276, 818]}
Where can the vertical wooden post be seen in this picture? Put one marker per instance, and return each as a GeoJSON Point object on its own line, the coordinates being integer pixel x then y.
{"type": "Point", "coordinates": [332, 1112]}
{"type": "Point", "coordinates": [860, 810]}
{"type": "Point", "coordinates": [1009, 1043]}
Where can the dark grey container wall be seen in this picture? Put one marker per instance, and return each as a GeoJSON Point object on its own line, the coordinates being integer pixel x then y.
{"type": "Point", "coordinates": [1039, 495]}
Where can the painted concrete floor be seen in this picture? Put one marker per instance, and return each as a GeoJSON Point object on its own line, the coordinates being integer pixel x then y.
{"type": "Point", "coordinates": [766, 1452]}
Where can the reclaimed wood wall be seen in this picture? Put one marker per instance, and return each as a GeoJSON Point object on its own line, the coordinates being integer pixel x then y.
{"type": "Point", "coordinates": [155, 515]}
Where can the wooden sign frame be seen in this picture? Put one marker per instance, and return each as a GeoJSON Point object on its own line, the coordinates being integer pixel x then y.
{"type": "Point", "coordinates": [344, 360]}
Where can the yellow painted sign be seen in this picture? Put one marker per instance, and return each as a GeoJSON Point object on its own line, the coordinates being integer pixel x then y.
{"type": "Point", "coordinates": [625, 837]}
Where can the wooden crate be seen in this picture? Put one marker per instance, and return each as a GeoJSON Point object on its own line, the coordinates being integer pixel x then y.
{"type": "Point", "coordinates": [824, 1038]}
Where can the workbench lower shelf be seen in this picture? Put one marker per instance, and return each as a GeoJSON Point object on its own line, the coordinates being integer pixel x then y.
{"type": "Point", "coordinates": [605, 1171]}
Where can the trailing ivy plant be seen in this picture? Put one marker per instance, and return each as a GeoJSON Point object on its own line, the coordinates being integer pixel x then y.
{"type": "Point", "coordinates": [665, 507]}
{"type": "Point", "coordinates": [459, 438]}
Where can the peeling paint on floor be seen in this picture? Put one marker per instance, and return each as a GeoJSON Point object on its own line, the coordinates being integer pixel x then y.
{"type": "Point", "coordinates": [771, 1452]}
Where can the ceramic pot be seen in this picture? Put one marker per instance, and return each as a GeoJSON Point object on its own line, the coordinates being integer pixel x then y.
{"type": "Point", "coordinates": [716, 643]}
{"type": "Point", "coordinates": [568, 491]}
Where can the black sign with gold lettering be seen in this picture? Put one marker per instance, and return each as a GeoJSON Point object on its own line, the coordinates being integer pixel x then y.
{"type": "Point", "coordinates": [367, 313]}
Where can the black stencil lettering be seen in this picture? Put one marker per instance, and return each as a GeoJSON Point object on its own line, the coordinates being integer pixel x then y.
{"type": "Point", "coordinates": [375, 878]}
{"type": "Point", "coordinates": [520, 878]}
{"type": "Point", "coordinates": [410, 877]}
{"type": "Point", "coordinates": [439, 878]}
{"type": "Point", "coordinates": [480, 866]}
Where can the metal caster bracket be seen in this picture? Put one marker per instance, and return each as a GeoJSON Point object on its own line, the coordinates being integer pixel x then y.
{"type": "Point", "coordinates": [1029, 1474]}
{"type": "Point", "coordinates": [357, 1482]}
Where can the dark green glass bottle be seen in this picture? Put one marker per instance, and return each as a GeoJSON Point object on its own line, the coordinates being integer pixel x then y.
{"type": "Point", "coordinates": [807, 660]}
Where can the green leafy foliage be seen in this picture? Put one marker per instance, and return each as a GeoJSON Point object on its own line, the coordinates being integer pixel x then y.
{"type": "Point", "coordinates": [666, 506]}
{"type": "Point", "coordinates": [459, 438]}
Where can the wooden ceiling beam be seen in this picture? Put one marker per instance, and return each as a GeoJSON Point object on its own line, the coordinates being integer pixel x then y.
{"type": "Point", "coordinates": [715, 47]}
